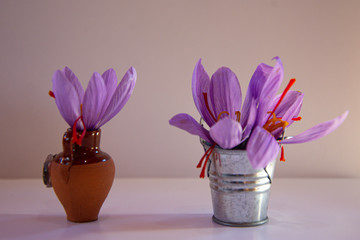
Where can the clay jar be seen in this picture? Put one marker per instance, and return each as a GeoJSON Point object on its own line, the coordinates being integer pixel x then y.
{"type": "Point", "coordinates": [82, 176]}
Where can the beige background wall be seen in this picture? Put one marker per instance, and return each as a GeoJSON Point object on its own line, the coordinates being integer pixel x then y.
{"type": "Point", "coordinates": [318, 42]}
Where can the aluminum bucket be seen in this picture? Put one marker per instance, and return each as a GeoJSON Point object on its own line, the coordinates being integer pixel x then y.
{"type": "Point", "coordinates": [240, 194]}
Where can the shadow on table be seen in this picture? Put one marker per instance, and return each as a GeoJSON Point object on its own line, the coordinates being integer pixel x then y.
{"type": "Point", "coordinates": [19, 226]}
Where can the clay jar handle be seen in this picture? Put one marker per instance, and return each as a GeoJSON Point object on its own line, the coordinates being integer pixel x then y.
{"type": "Point", "coordinates": [67, 156]}
{"type": "Point", "coordinates": [46, 170]}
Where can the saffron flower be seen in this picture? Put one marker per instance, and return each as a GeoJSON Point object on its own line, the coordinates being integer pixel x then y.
{"type": "Point", "coordinates": [259, 124]}
{"type": "Point", "coordinates": [91, 109]}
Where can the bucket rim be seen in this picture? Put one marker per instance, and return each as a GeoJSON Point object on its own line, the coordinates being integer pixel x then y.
{"type": "Point", "coordinates": [222, 150]}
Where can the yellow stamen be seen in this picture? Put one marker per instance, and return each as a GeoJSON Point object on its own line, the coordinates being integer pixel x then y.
{"type": "Point", "coordinates": [223, 112]}
{"type": "Point", "coordinates": [275, 123]}
{"type": "Point", "coordinates": [238, 115]}
{"type": "Point", "coordinates": [282, 124]}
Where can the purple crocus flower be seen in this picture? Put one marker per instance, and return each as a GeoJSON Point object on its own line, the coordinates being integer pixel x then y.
{"type": "Point", "coordinates": [275, 113]}
{"type": "Point", "coordinates": [101, 101]}
{"type": "Point", "coordinates": [258, 124]}
{"type": "Point", "coordinates": [219, 103]}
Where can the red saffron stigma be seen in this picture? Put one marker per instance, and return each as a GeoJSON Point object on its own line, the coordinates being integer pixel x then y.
{"type": "Point", "coordinates": [74, 136]}
{"type": "Point", "coordinates": [202, 174]}
{"type": "Point", "coordinates": [51, 94]}
{"type": "Point", "coordinates": [291, 82]}
{"type": "Point", "coordinates": [75, 139]}
{"type": "Point", "coordinates": [203, 157]}
{"type": "Point", "coordinates": [207, 106]}
{"type": "Point", "coordinates": [297, 118]}
{"type": "Point", "coordinates": [282, 158]}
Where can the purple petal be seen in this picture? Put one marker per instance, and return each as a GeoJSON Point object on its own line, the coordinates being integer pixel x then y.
{"type": "Point", "coordinates": [75, 82]}
{"type": "Point", "coordinates": [317, 131]}
{"type": "Point", "coordinates": [200, 85]}
{"type": "Point", "coordinates": [289, 107]}
{"type": "Point", "coordinates": [273, 81]}
{"type": "Point", "coordinates": [94, 98]}
{"type": "Point", "coordinates": [262, 148]}
{"type": "Point", "coordinates": [250, 120]}
{"type": "Point", "coordinates": [189, 124]}
{"type": "Point", "coordinates": [264, 83]}
{"type": "Point", "coordinates": [269, 90]}
{"type": "Point", "coordinates": [259, 79]}
{"type": "Point", "coordinates": [226, 133]}
{"type": "Point", "coordinates": [66, 97]}
{"type": "Point", "coordinates": [225, 93]}
{"type": "Point", "coordinates": [245, 111]}
{"type": "Point", "coordinates": [120, 96]}
{"type": "Point", "coordinates": [110, 80]}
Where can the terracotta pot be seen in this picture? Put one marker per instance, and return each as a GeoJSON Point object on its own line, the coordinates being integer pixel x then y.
{"type": "Point", "coordinates": [82, 176]}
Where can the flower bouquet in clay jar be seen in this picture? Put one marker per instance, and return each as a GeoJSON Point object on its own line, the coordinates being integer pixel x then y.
{"type": "Point", "coordinates": [241, 141]}
{"type": "Point", "coordinates": [82, 174]}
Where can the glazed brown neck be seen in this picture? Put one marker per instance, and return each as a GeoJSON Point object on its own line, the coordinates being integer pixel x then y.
{"type": "Point", "coordinates": [90, 142]}
{"type": "Point", "coordinates": [90, 145]}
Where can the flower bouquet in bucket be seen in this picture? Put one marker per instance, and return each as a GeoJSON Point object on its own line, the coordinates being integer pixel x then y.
{"type": "Point", "coordinates": [242, 141]}
{"type": "Point", "coordinates": [82, 174]}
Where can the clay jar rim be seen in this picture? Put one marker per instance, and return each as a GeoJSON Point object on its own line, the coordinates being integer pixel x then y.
{"type": "Point", "coordinates": [87, 133]}
{"type": "Point", "coordinates": [91, 138]}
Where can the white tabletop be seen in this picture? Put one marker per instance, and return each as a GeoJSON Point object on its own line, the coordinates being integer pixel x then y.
{"type": "Point", "coordinates": [181, 209]}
